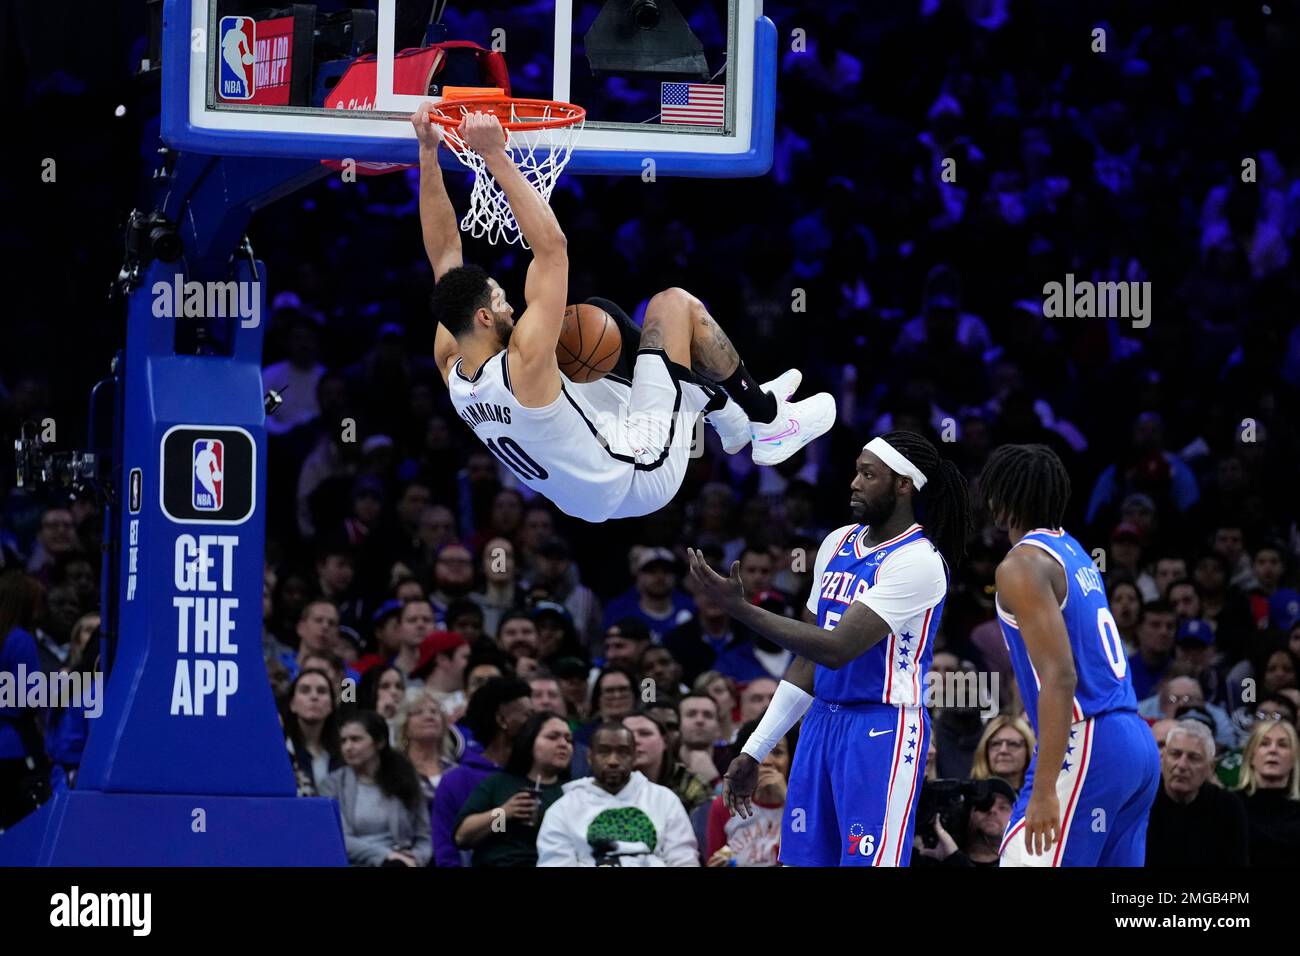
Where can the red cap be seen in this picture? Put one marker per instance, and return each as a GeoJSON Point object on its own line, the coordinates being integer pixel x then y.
{"type": "Point", "coordinates": [438, 642]}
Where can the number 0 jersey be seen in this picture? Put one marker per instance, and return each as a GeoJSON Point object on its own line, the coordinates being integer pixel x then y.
{"type": "Point", "coordinates": [556, 450]}
{"type": "Point", "coordinates": [905, 581]}
{"type": "Point", "coordinates": [1095, 643]}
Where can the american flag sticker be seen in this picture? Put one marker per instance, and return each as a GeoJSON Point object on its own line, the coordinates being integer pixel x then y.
{"type": "Point", "coordinates": [694, 104]}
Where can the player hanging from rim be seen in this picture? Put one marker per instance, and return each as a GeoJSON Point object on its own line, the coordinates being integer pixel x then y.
{"type": "Point", "coordinates": [878, 593]}
{"type": "Point", "coordinates": [1072, 671]}
{"type": "Point", "coordinates": [616, 447]}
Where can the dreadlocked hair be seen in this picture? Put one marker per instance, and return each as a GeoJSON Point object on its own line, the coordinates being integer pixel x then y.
{"type": "Point", "coordinates": [945, 501]}
{"type": "Point", "coordinates": [1026, 486]}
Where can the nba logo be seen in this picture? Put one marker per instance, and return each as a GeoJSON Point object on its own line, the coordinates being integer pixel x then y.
{"type": "Point", "coordinates": [235, 69]}
{"type": "Point", "coordinates": [209, 459]}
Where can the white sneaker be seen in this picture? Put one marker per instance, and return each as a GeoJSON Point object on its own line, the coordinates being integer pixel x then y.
{"type": "Point", "coordinates": [733, 425]}
{"type": "Point", "coordinates": [796, 424]}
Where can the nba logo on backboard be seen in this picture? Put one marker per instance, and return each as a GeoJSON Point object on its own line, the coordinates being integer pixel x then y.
{"type": "Point", "coordinates": [238, 43]}
{"type": "Point", "coordinates": [209, 459]}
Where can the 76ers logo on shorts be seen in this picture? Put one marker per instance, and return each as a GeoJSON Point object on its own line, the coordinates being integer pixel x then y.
{"type": "Point", "coordinates": [235, 67]}
{"type": "Point", "coordinates": [861, 843]}
{"type": "Point", "coordinates": [209, 478]}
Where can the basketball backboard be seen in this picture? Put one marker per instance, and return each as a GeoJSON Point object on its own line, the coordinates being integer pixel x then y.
{"type": "Point", "coordinates": [689, 84]}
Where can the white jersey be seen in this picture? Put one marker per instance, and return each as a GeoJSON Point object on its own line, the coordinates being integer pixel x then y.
{"type": "Point", "coordinates": [557, 450]}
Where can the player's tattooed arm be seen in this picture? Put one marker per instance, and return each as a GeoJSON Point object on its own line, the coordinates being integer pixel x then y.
{"type": "Point", "coordinates": [1030, 586]}
{"type": "Point", "coordinates": [858, 630]}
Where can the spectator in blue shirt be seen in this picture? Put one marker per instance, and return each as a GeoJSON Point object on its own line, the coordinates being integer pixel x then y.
{"type": "Point", "coordinates": [654, 598]}
{"type": "Point", "coordinates": [1155, 635]}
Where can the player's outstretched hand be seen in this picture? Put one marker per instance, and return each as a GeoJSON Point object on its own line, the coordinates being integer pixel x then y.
{"type": "Point", "coordinates": [727, 592]}
{"type": "Point", "coordinates": [1042, 821]}
{"type": "Point", "coordinates": [738, 786]}
{"type": "Point", "coordinates": [427, 131]}
{"type": "Point", "coordinates": [482, 132]}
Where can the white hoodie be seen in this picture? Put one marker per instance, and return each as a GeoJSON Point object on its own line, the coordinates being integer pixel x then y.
{"type": "Point", "coordinates": [644, 824]}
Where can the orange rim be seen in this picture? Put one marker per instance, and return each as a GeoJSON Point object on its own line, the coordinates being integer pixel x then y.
{"type": "Point", "coordinates": [504, 107]}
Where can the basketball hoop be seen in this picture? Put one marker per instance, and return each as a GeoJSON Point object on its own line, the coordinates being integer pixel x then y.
{"type": "Point", "coordinates": [527, 123]}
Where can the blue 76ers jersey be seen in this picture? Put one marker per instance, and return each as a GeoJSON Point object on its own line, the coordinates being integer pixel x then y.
{"type": "Point", "coordinates": [904, 580]}
{"type": "Point", "coordinates": [1099, 659]}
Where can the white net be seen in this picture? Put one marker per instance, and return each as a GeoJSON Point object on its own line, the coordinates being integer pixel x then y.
{"type": "Point", "coordinates": [529, 124]}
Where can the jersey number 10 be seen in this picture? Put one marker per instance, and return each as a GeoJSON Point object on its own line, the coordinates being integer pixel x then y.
{"type": "Point", "coordinates": [516, 459]}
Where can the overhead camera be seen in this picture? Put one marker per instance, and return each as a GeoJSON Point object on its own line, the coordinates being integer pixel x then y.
{"type": "Point", "coordinates": [148, 237]}
{"type": "Point", "coordinates": [36, 466]}
{"type": "Point", "coordinates": [645, 14]}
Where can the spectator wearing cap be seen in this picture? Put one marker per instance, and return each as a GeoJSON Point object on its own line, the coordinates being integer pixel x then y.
{"type": "Point", "coordinates": [625, 641]}
{"type": "Point", "coordinates": [501, 591]}
{"type": "Point", "coordinates": [753, 839]}
{"type": "Point", "coordinates": [415, 623]}
{"type": "Point", "coordinates": [574, 677]}
{"type": "Point", "coordinates": [654, 598]}
{"type": "Point", "coordinates": [659, 763]}
{"type": "Point", "coordinates": [453, 578]}
{"type": "Point", "coordinates": [1179, 689]}
{"type": "Point", "coordinates": [1194, 650]}
{"type": "Point", "coordinates": [444, 657]}
{"type": "Point", "coordinates": [616, 817]}
{"type": "Point", "coordinates": [386, 636]}
{"type": "Point", "coordinates": [496, 713]}
{"type": "Point", "coordinates": [1194, 822]}
{"type": "Point", "coordinates": [430, 742]}
{"type": "Point", "coordinates": [979, 827]}
{"type": "Point", "coordinates": [1004, 751]}
{"type": "Point", "coordinates": [500, 819]}
{"type": "Point", "coordinates": [556, 634]}
{"type": "Point", "coordinates": [1270, 788]}
{"type": "Point", "coordinates": [555, 573]}
{"type": "Point", "coordinates": [1155, 637]}
{"type": "Point", "coordinates": [517, 636]}
{"type": "Point", "coordinates": [1126, 550]}
{"type": "Point", "coordinates": [295, 377]}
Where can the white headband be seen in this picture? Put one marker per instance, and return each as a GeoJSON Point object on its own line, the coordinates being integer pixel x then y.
{"type": "Point", "coordinates": [892, 457]}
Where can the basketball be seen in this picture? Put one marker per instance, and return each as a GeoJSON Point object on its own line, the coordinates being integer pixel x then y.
{"type": "Point", "coordinates": [589, 343]}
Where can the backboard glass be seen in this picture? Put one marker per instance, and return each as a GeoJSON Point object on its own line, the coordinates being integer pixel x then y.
{"type": "Point", "coordinates": [690, 84]}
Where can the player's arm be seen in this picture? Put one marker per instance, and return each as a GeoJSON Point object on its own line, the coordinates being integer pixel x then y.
{"type": "Point", "coordinates": [546, 289]}
{"type": "Point", "coordinates": [1026, 589]}
{"type": "Point", "coordinates": [437, 216]}
{"type": "Point", "coordinates": [859, 630]}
